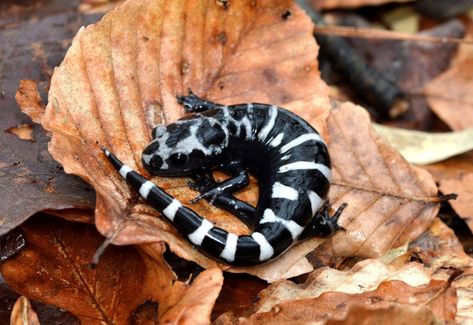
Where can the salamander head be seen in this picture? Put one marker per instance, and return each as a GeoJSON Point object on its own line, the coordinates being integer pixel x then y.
{"type": "Point", "coordinates": [190, 145]}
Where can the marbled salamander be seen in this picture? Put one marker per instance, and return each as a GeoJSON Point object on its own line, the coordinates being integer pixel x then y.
{"type": "Point", "coordinates": [285, 154]}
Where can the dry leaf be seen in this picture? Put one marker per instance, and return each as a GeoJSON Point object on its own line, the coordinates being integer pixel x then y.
{"type": "Point", "coordinates": [464, 287]}
{"type": "Point", "coordinates": [438, 248]}
{"type": "Point", "coordinates": [28, 98]}
{"type": "Point", "coordinates": [427, 148]}
{"type": "Point", "coordinates": [120, 77]}
{"type": "Point", "coordinates": [329, 293]}
{"type": "Point", "coordinates": [452, 168]}
{"type": "Point", "coordinates": [463, 205]}
{"type": "Point", "coordinates": [54, 269]}
{"type": "Point", "coordinates": [332, 4]}
{"type": "Point", "coordinates": [22, 131]}
{"type": "Point", "coordinates": [192, 304]}
{"type": "Point", "coordinates": [390, 202]}
{"type": "Point", "coordinates": [23, 313]}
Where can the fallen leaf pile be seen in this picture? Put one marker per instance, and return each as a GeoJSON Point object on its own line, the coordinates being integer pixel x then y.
{"type": "Point", "coordinates": [395, 260]}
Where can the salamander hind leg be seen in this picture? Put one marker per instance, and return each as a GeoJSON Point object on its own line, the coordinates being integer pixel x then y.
{"type": "Point", "coordinates": [226, 201]}
{"type": "Point", "coordinates": [194, 104]}
{"type": "Point", "coordinates": [322, 225]}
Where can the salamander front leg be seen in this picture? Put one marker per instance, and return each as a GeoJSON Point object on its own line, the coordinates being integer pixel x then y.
{"type": "Point", "coordinates": [322, 225]}
{"type": "Point", "coordinates": [194, 104]}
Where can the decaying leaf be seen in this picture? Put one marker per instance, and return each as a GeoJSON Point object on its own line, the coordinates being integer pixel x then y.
{"type": "Point", "coordinates": [427, 148]}
{"type": "Point", "coordinates": [438, 247]}
{"type": "Point", "coordinates": [28, 98]}
{"type": "Point", "coordinates": [54, 269]}
{"type": "Point", "coordinates": [390, 202]}
{"type": "Point", "coordinates": [332, 4]}
{"type": "Point", "coordinates": [121, 76]}
{"type": "Point", "coordinates": [329, 293]}
{"type": "Point", "coordinates": [192, 304]}
{"type": "Point", "coordinates": [23, 313]}
{"type": "Point", "coordinates": [464, 287]}
{"type": "Point", "coordinates": [462, 185]}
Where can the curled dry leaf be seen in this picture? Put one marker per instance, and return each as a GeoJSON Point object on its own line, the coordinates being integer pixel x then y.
{"type": "Point", "coordinates": [390, 202]}
{"type": "Point", "coordinates": [427, 148]}
{"type": "Point", "coordinates": [121, 76]}
{"type": "Point", "coordinates": [192, 304]}
{"type": "Point", "coordinates": [54, 269]}
{"type": "Point", "coordinates": [23, 313]}
{"type": "Point", "coordinates": [329, 293]}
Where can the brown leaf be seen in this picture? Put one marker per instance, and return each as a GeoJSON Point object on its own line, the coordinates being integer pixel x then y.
{"type": "Point", "coordinates": [28, 98]}
{"type": "Point", "coordinates": [394, 314]}
{"type": "Point", "coordinates": [438, 247]}
{"type": "Point", "coordinates": [390, 202]}
{"type": "Point", "coordinates": [329, 293]}
{"type": "Point", "coordinates": [449, 94]}
{"type": "Point", "coordinates": [192, 304]}
{"type": "Point", "coordinates": [464, 287]}
{"type": "Point", "coordinates": [54, 269]}
{"type": "Point", "coordinates": [120, 77]}
{"type": "Point", "coordinates": [23, 313]}
{"type": "Point", "coordinates": [463, 205]}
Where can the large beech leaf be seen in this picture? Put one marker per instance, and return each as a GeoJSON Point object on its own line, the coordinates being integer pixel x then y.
{"type": "Point", "coordinates": [120, 78]}
{"type": "Point", "coordinates": [390, 202]}
{"type": "Point", "coordinates": [54, 269]}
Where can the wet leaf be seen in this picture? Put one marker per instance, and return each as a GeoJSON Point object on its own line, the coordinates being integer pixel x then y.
{"type": "Point", "coordinates": [192, 304]}
{"type": "Point", "coordinates": [54, 269]}
{"type": "Point", "coordinates": [23, 313]}
{"type": "Point", "coordinates": [390, 202]}
{"type": "Point", "coordinates": [462, 185]}
{"type": "Point", "coordinates": [120, 77]}
{"type": "Point", "coordinates": [427, 148]}
{"type": "Point", "coordinates": [34, 38]}
{"type": "Point", "coordinates": [11, 243]}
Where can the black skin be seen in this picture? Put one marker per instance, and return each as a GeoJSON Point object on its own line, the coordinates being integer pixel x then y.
{"type": "Point", "coordinates": [221, 194]}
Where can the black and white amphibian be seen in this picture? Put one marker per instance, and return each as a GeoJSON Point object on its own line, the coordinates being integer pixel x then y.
{"type": "Point", "coordinates": [286, 155]}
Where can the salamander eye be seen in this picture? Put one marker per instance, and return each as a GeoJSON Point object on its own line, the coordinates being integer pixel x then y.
{"type": "Point", "coordinates": [178, 159]}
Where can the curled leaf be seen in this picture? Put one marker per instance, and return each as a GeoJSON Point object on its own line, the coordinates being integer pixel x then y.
{"type": "Point", "coordinates": [23, 313]}
{"type": "Point", "coordinates": [121, 76]}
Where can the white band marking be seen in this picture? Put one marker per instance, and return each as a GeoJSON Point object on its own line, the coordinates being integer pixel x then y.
{"type": "Point", "coordinates": [266, 250]}
{"type": "Point", "coordinates": [315, 201]}
{"type": "Point", "coordinates": [277, 140]}
{"type": "Point", "coordinates": [273, 113]}
{"type": "Point", "coordinates": [199, 234]}
{"type": "Point", "coordinates": [284, 192]}
{"type": "Point", "coordinates": [307, 165]}
{"type": "Point", "coordinates": [293, 227]}
{"type": "Point", "coordinates": [299, 140]}
{"type": "Point", "coordinates": [124, 170]}
{"type": "Point", "coordinates": [145, 189]}
{"type": "Point", "coordinates": [171, 209]}
{"type": "Point", "coordinates": [228, 253]}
